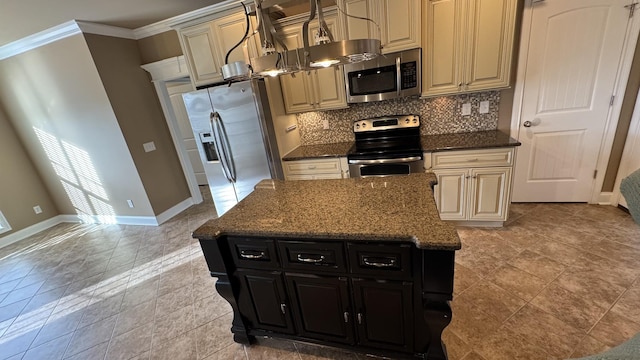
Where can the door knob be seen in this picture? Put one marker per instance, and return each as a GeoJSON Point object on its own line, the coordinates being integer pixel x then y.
{"type": "Point", "coordinates": [527, 123]}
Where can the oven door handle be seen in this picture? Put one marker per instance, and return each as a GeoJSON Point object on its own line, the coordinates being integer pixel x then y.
{"type": "Point", "coordinates": [385, 161]}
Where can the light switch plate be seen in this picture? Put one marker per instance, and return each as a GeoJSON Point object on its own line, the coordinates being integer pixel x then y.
{"type": "Point", "coordinates": [466, 109]}
{"type": "Point", "coordinates": [325, 124]}
{"type": "Point", "coordinates": [148, 147]}
{"type": "Point", "coordinates": [484, 107]}
{"type": "Point", "coordinates": [37, 209]}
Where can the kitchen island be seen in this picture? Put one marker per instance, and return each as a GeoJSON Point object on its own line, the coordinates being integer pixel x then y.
{"type": "Point", "coordinates": [363, 264]}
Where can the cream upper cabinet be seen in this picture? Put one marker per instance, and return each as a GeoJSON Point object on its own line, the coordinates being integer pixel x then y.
{"type": "Point", "coordinates": [399, 22]}
{"type": "Point", "coordinates": [468, 45]}
{"type": "Point", "coordinates": [206, 45]}
{"type": "Point", "coordinates": [473, 185]}
{"type": "Point", "coordinates": [321, 89]}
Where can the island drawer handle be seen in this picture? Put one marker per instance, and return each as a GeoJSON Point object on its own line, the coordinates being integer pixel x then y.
{"type": "Point", "coordinates": [252, 255]}
{"type": "Point", "coordinates": [309, 259]}
{"type": "Point", "coordinates": [378, 263]}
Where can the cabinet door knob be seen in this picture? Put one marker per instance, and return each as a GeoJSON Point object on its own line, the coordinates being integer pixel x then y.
{"type": "Point", "coordinates": [360, 318]}
{"type": "Point", "coordinates": [346, 317]}
{"type": "Point", "coordinates": [282, 308]}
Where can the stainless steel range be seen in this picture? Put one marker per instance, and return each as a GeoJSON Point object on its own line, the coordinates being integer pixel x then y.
{"type": "Point", "coordinates": [386, 146]}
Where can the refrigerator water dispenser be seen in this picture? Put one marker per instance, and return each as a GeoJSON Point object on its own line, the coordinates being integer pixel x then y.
{"type": "Point", "coordinates": [206, 139]}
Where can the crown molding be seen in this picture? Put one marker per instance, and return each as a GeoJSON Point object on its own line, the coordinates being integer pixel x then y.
{"type": "Point", "coordinates": [176, 21]}
{"type": "Point", "coordinates": [167, 69]}
{"type": "Point", "coordinates": [59, 32]}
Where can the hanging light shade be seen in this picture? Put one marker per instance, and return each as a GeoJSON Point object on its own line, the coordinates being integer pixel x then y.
{"type": "Point", "coordinates": [326, 51]}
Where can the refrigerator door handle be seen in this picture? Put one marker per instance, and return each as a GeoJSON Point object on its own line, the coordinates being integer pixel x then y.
{"type": "Point", "coordinates": [218, 144]}
{"type": "Point", "coordinates": [227, 146]}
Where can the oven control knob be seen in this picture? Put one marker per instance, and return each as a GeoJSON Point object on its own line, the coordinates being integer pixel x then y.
{"type": "Point", "coordinates": [415, 120]}
{"type": "Point", "coordinates": [407, 121]}
{"type": "Point", "coordinates": [364, 125]}
{"type": "Point", "coordinates": [357, 126]}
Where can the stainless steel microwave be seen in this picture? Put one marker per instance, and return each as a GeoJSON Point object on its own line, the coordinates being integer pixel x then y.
{"type": "Point", "coordinates": [386, 77]}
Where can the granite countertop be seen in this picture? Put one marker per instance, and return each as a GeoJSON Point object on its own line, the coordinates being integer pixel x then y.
{"type": "Point", "coordinates": [396, 208]}
{"type": "Point", "coordinates": [467, 141]}
{"type": "Point", "coordinates": [319, 151]}
{"type": "Point", "coordinates": [429, 143]}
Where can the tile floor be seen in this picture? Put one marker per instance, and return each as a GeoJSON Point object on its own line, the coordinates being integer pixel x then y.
{"type": "Point", "coordinates": [558, 281]}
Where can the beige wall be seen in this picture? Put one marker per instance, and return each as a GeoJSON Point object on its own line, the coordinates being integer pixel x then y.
{"type": "Point", "coordinates": [141, 119]}
{"type": "Point", "coordinates": [22, 188]}
{"type": "Point", "coordinates": [159, 47]}
{"type": "Point", "coordinates": [57, 104]}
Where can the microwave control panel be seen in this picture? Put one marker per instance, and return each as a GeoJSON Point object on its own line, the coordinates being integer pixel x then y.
{"type": "Point", "coordinates": [409, 75]}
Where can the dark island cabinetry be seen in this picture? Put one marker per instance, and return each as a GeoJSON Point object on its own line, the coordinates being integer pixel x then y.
{"type": "Point", "coordinates": [385, 298]}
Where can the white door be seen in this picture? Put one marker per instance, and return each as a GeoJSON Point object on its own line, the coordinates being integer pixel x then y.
{"type": "Point", "coordinates": [186, 133]}
{"type": "Point", "coordinates": [574, 52]}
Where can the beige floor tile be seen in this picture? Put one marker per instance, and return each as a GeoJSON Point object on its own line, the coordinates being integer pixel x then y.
{"type": "Point", "coordinates": [506, 344]}
{"type": "Point", "coordinates": [96, 352]}
{"type": "Point", "coordinates": [171, 325]}
{"type": "Point", "coordinates": [214, 336]}
{"type": "Point", "coordinates": [136, 316]}
{"type": "Point", "coordinates": [537, 265]}
{"type": "Point", "coordinates": [589, 346]}
{"type": "Point", "coordinates": [52, 350]}
{"type": "Point", "coordinates": [629, 304]}
{"type": "Point", "coordinates": [91, 335]}
{"type": "Point", "coordinates": [469, 324]}
{"type": "Point", "coordinates": [210, 308]}
{"type": "Point", "coordinates": [463, 279]}
{"type": "Point", "coordinates": [517, 282]}
{"type": "Point", "coordinates": [614, 329]}
{"type": "Point", "coordinates": [231, 352]}
{"type": "Point", "coordinates": [131, 344]}
{"type": "Point", "coordinates": [545, 331]}
{"type": "Point", "coordinates": [267, 349]}
{"type": "Point", "coordinates": [574, 310]}
{"type": "Point", "coordinates": [182, 347]}
{"type": "Point", "coordinates": [316, 352]}
{"type": "Point", "coordinates": [456, 347]}
{"type": "Point", "coordinates": [492, 300]}
{"type": "Point", "coordinates": [588, 285]}
{"type": "Point", "coordinates": [175, 300]}
{"type": "Point", "coordinates": [473, 356]}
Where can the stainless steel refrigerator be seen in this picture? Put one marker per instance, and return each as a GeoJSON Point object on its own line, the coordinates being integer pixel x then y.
{"type": "Point", "coordinates": [234, 133]}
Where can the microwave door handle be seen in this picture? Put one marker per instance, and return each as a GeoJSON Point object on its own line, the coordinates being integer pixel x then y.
{"type": "Point", "coordinates": [398, 76]}
{"type": "Point", "coordinates": [218, 144]}
{"type": "Point", "coordinates": [227, 146]}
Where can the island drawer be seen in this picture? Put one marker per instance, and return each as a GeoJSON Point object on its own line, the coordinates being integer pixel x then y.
{"type": "Point", "coordinates": [382, 260]}
{"type": "Point", "coordinates": [472, 158]}
{"type": "Point", "coordinates": [253, 253]}
{"type": "Point", "coordinates": [312, 256]}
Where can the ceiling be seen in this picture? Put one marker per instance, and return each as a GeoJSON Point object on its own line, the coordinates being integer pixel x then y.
{"type": "Point", "coordinates": [21, 18]}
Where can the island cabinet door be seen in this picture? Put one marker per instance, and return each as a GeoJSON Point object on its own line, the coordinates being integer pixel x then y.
{"type": "Point", "coordinates": [262, 300]}
{"type": "Point", "coordinates": [384, 313]}
{"type": "Point", "coordinates": [321, 307]}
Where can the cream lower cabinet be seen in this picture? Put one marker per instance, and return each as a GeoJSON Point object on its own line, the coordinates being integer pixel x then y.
{"type": "Point", "coordinates": [473, 185]}
{"type": "Point", "coordinates": [399, 22]}
{"type": "Point", "coordinates": [316, 169]}
{"type": "Point", "coordinates": [467, 45]}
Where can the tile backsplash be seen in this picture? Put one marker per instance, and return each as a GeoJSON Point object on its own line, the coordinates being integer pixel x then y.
{"type": "Point", "coordinates": [437, 115]}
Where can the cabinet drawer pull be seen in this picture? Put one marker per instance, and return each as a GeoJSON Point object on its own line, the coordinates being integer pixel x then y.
{"type": "Point", "coordinates": [308, 258]}
{"type": "Point", "coordinates": [282, 307]}
{"type": "Point", "coordinates": [379, 262]}
{"type": "Point", "coordinates": [472, 160]}
{"type": "Point", "coordinates": [311, 167]}
{"type": "Point", "coordinates": [252, 254]}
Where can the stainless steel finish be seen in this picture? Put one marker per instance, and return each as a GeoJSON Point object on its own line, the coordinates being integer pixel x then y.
{"type": "Point", "coordinates": [527, 123]}
{"type": "Point", "coordinates": [310, 260]}
{"type": "Point", "coordinates": [244, 138]}
{"type": "Point", "coordinates": [385, 161]}
{"type": "Point", "coordinates": [246, 255]}
{"type": "Point", "coordinates": [283, 307]}
{"type": "Point", "coordinates": [404, 121]}
{"type": "Point", "coordinates": [346, 317]}
{"type": "Point", "coordinates": [398, 77]}
{"type": "Point", "coordinates": [355, 170]}
{"type": "Point", "coordinates": [294, 60]}
{"type": "Point", "coordinates": [391, 263]}
{"type": "Point", "coordinates": [381, 61]}
{"type": "Point", "coordinates": [235, 70]}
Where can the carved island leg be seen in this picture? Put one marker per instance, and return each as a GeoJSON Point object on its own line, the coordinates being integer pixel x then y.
{"type": "Point", "coordinates": [437, 314]}
{"type": "Point", "coordinates": [240, 335]}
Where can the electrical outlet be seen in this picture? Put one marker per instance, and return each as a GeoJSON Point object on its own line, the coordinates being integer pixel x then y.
{"type": "Point", "coordinates": [148, 147]}
{"type": "Point", "coordinates": [325, 124]}
{"type": "Point", "coordinates": [484, 107]}
{"type": "Point", "coordinates": [130, 203]}
{"type": "Point", "coordinates": [466, 109]}
{"type": "Point", "coordinates": [37, 209]}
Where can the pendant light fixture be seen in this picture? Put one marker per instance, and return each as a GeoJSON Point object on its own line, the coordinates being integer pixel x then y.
{"type": "Point", "coordinates": [326, 51]}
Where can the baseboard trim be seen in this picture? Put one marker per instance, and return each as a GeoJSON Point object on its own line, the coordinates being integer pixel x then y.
{"type": "Point", "coordinates": [605, 198]}
{"type": "Point", "coordinates": [96, 219]}
{"type": "Point", "coordinates": [34, 229]}
{"type": "Point", "coordinates": [175, 210]}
